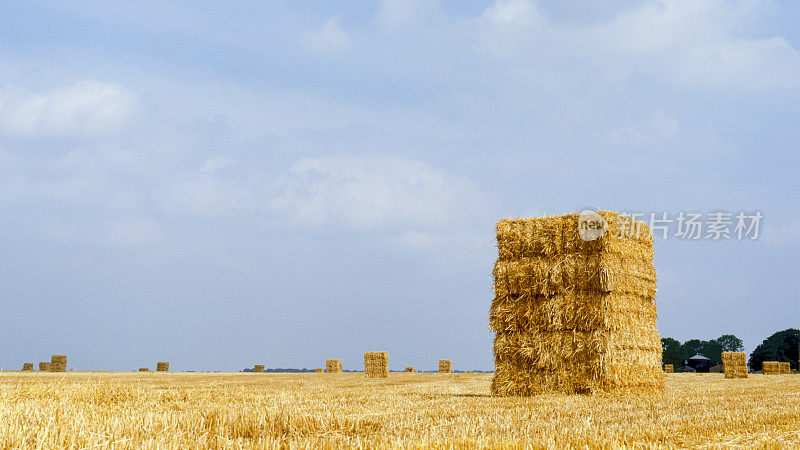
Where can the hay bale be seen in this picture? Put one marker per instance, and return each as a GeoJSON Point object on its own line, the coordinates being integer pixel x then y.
{"type": "Point", "coordinates": [58, 363]}
{"type": "Point", "coordinates": [259, 368]}
{"type": "Point", "coordinates": [669, 368]}
{"type": "Point", "coordinates": [786, 368]}
{"type": "Point", "coordinates": [376, 364]}
{"type": "Point", "coordinates": [771, 367]}
{"type": "Point", "coordinates": [333, 366]}
{"type": "Point", "coordinates": [44, 367]}
{"type": "Point", "coordinates": [27, 367]}
{"type": "Point", "coordinates": [410, 369]}
{"type": "Point", "coordinates": [734, 364]}
{"type": "Point", "coordinates": [574, 316]}
{"type": "Point", "coordinates": [319, 370]}
{"type": "Point", "coordinates": [144, 369]}
{"type": "Point", "coordinates": [469, 371]}
{"type": "Point", "coordinates": [445, 365]}
{"type": "Point", "coordinates": [162, 366]}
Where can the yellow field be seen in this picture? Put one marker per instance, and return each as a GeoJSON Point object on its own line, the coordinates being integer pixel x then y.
{"type": "Point", "coordinates": [132, 410]}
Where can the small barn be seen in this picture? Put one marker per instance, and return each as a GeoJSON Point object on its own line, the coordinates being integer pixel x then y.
{"type": "Point", "coordinates": [699, 363]}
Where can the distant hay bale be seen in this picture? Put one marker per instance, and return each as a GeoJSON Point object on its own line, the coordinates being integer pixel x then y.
{"type": "Point", "coordinates": [410, 369]}
{"type": "Point", "coordinates": [445, 365]}
{"type": "Point", "coordinates": [734, 364]}
{"type": "Point", "coordinates": [469, 371]}
{"type": "Point", "coordinates": [259, 368]}
{"type": "Point", "coordinates": [319, 370]}
{"type": "Point", "coordinates": [573, 315]}
{"type": "Point", "coordinates": [669, 368]}
{"type": "Point", "coordinates": [162, 366]}
{"type": "Point", "coordinates": [771, 367]}
{"type": "Point", "coordinates": [786, 368]}
{"type": "Point", "coordinates": [27, 367]}
{"type": "Point", "coordinates": [144, 369]}
{"type": "Point", "coordinates": [333, 366]}
{"type": "Point", "coordinates": [376, 364]}
{"type": "Point", "coordinates": [58, 363]}
{"type": "Point", "coordinates": [44, 367]}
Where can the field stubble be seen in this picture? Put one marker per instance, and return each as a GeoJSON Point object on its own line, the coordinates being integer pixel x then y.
{"type": "Point", "coordinates": [133, 410]}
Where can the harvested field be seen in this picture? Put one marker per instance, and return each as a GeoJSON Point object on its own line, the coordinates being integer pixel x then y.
{"type": "Point", "coordinates": [233, 410]}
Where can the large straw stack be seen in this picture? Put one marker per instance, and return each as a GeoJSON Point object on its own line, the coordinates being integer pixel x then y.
{"type": "Point", "coordinates": [786, 368]}
{"type": "Point", "coordinates": [58, 363]}
{"type": "Point", "coordinates": [44, 367]}
{"type": "Point", "coordinates": [27, 367]}
{"type": "Point", "coordinates": [445, 365]}
{"type": "Point", "coordinates": [411, 369]}
{"type": "Point", "coordinates": [771, 367]}
{"type": "Point", "coordinates": [259, 368]}
{"type": "Point", "coordinates": [669, 368]}
{"type": "Point", "coordinates": [376, 364]}
{"type": "Point", "coordinates": [162, 366]}
{"type": "Point", "coordinates": [734, 364]}
{"type": "Point", "coordinates": [574, 316]}
{"type": "Point", "coordinates": [333, 365]}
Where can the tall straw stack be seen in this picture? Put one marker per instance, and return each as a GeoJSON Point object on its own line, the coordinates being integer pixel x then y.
{"type": "Point", "coordinates": [27, 367]}
{"type": "Point", "coordinates": [410, 369]}
{"type": "Point", "coordinates": [574, 315]}
{"type": "Point", "coordinates": [786, 368]}
{"type": "Point", "coordinates": [58, 363]}
{"type": "Point", "coordinates": [771, 367]}
{"type": "Point", "coordinates": [376, 364]}
{"type": "Point", "coordinates": [162, 366]}
{"type": "Point", "coordinates": [44, 367]}
{"type": "Point", "coordinates": [669, 368]}
{"type": "Point", "coordinates": [259, 368]}
{"type": "Point", "coordinates": [333, 365]}
{"type": "Point", "coordinates": [734, 364]}
{"type": "Point", "coordinates": [445, 365]}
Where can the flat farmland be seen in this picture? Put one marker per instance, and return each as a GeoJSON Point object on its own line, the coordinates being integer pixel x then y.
{"type": "Point", "coordinates": [233, 410]}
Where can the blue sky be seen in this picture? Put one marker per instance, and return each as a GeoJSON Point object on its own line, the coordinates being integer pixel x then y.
{"type": "Point", "coordinates": [220, 185]}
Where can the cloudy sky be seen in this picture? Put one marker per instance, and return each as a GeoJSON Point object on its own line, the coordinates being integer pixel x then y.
{"type": "Point", "coordinates": [217, 186]}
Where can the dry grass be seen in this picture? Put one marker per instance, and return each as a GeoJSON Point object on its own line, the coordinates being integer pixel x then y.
{"type": "Point", "coordinates": [301, 410]}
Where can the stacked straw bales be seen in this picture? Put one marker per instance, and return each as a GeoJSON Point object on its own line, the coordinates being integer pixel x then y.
{"type": "Point", "coordinates": [144, 369]}
{"type": "Point", "coordinates": [669, 368]}
{"type": "Point", "coordinates": [27, 367]}
{"type": "Point", "coordinates": [411, 369]}
{"type": "Point", "coordinates": [734, 364]}
{"type": "Point", "coordinates": [571, 315]}
{"type": "Point", "coordinates": [162, 366]}
{"type": "Point", "coordinates": [259, 368]}
{"type": "Point", "coordinates": [771, 367]}
{"type": "Point", "coordinates": [44, 366]}
{"type": "Point", "coordinates": [376, 364]}
{"type": "Point", "coordinates": [445, 365]}
{"type": "Point", "coordinates": [786, 368]}
{"type": "Point", "coordinates": [58, 363]}
{"type": "Point", "coordinates": [333, 366]}
{"type": "Point", "coordinates": [319, 370]}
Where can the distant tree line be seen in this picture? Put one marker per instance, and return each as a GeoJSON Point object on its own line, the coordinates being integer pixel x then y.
{"type": "Point", "coordinates": [781, 346]}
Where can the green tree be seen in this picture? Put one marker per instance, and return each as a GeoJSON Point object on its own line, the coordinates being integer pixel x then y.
{"type": "Point", "coordinates": [730, 343]}
{"type": "Point", "coordinates": [672, 352]}
{"type": "Point", "coordinates": [781, 346]}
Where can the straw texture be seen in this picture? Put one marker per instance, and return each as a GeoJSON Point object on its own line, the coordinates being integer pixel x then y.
{"type": "Point", "coordinates": [669, 368]}
{"type": "Point", "coordinates": [44, 366]}
{"type": "Point", "coordinates": [162, 366]}
{"type": "Point", "coordinates": [771, 367]}
{"type": "Point", "coordinates": [445, 365]}
{"type": "Point", "coordinates": [58, 363]}
{"type": "Point", "coordinates": [376, 364]}
{"type": "Point", "coordinates": [734, 364]}
{"type": "Point", "coordinates": [27, 367]}
{"type": "Point", "coordinates": [786, 368]}
{"type": "Point", "coordinates": [574, 316]}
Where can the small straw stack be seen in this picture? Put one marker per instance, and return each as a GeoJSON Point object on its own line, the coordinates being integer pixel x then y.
{"type": "Point", "coordinates": [162, 366]}
{"type": "Point", "coordinates": [376, 364]}
{"type": "Point", "coordinates": [27, 367]}
{"type": "Point", "coordinates": [259, 368]}
{"type": "Point", "coordinates": [786, 368]}
{"type": "Point", "coordinates": [734, 364]}
{"type": "Point", "coordinates": [144, 369]}
{"type": "Point", "coordinates": [319, 370]}
{"type": "Point", "coordinates": [411, 369]}
{"type": "Point", "coordinates": [669, 368]}
{"type": "Point", "coordinates": [445, 365]}
{"type": "Point", "coordinates": [58, 363]}
{"type": "Point", "coordinates": [44, 367]}
{"type": "Point", "coordinates": [771, 367]}
{"type": "Point", "coordinates": [333, 366]}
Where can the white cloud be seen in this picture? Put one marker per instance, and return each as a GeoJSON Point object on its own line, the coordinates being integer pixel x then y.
{"type": "Point", "coordinates": [86, 109]}
{"type": "Point", "coordinates": [207, 194]}
{"type": "Point", "coordinates": [370, 193]}
{"type": "Point", "coordinates": [331, 39]}
{"type": "Point", "coordinates": [216, 163]}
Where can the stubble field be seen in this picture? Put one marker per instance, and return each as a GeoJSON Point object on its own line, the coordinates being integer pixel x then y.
{"type": "Point", "coordinates": [134, 410]}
